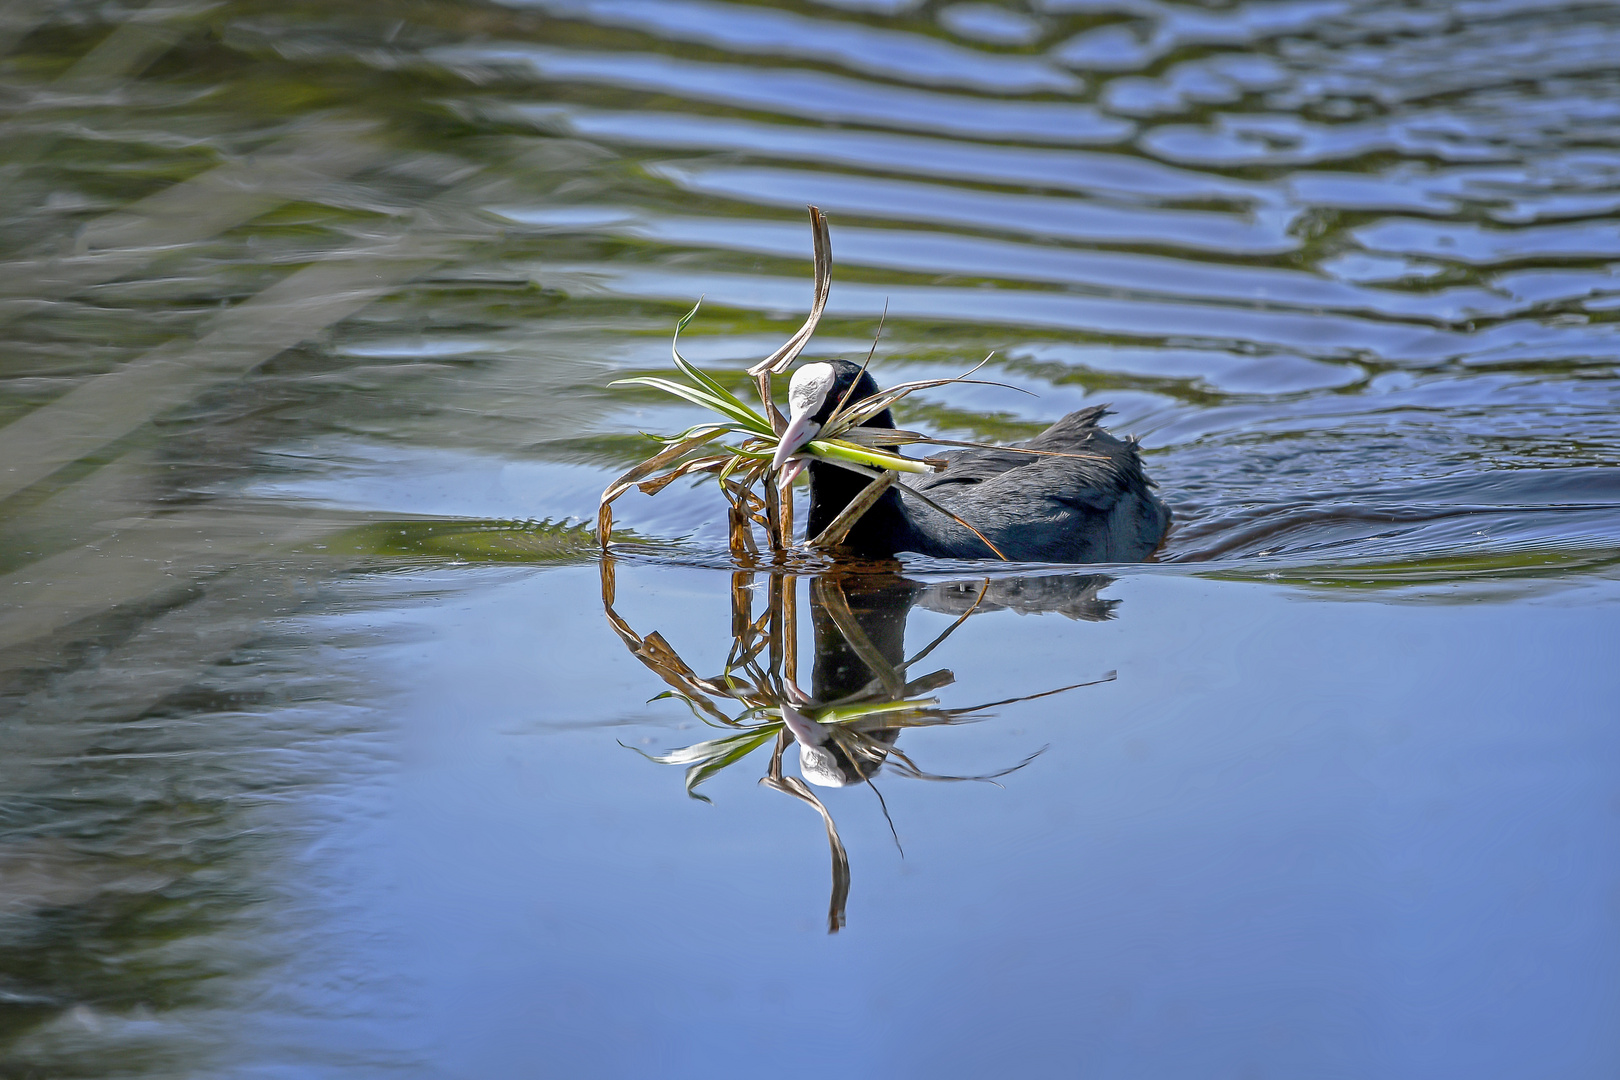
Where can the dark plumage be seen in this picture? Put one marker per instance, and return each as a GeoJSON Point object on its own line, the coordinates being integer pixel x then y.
{"type": "Point", "coordinates": [1098, 508]}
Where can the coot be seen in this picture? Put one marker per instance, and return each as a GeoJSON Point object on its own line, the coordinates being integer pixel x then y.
{"type": "Point", "coordinates": [1095, 506]}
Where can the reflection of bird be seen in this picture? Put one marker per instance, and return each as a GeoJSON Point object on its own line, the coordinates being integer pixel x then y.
{"type": "Point", "coordinates": [1084, 499]}
{"type": "Point", "coordinates": [854, 657]}
{"type": "Point", "coordinates": [864, 693]}
{"type": "Point", "coordinates": [1069, 594]}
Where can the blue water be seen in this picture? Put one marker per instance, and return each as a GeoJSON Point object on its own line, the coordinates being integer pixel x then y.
{"type": "Point", "coordinates": [323, 751]}
{"type": "Point", "coordinates": [1294, 836]}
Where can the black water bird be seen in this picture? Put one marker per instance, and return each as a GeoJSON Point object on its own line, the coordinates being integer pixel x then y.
{"type": "Point", "coordinates": [1086, 499]}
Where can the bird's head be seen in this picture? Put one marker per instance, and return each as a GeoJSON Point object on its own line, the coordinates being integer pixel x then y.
{"type": "Point", "coordinates": [815, 392]}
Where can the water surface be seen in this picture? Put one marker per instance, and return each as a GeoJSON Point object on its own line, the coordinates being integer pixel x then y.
{"type": "Point", "coordinates": [319, 741]}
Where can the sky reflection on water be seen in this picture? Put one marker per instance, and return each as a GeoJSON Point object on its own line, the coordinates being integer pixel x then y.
{"type": "Point", "coordinates": [1290, 836]}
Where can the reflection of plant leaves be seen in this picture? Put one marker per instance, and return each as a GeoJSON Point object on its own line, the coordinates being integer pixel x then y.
{"type": "Point", "coordinates": [934, 680]}
{"type": "Point", "coordinates": [889, 710]}
{"type": "Point", "coordinates": [792, 785]}
{"type": "Point", "coordinates": [862, 726]}
{"type": "Point", "coordinates": [708, 758]}
{"type": "Point", "coordinates": [702, 751]}
{"type": "Point", "coordinates": [696, 705]}
{"type": "Point", "coordinates": [908, 768]}
{"type": "Point", "coordinates": [699, 773]}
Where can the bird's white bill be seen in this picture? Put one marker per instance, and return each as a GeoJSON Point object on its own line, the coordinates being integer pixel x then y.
{"type": "Point", "coordinates": [805, 730]}
{"type": "Point", "coordinates": [800, 430]}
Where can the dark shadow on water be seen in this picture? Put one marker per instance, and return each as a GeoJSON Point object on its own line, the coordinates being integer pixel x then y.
{"type": "Point", "coordinates": [865, 691]}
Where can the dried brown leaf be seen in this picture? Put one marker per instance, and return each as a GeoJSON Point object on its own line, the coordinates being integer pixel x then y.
{"type": "Point", "coordinates": [782, 359]}
{"type": "Point", "coordinates": [839, 527]}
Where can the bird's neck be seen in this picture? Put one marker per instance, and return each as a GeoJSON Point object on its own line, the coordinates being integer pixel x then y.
{"type": "Point", "coordinates": [879, 602]}
{"type": "Point", "coordinates": [880, 530]}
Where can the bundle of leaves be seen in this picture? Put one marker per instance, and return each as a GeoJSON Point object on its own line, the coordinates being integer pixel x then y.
{"type": "Point", "coordinates": [737, 448]}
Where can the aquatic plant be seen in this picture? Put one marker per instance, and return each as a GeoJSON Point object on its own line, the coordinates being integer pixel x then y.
{"type": "Point", "coordinates": [737, 449]}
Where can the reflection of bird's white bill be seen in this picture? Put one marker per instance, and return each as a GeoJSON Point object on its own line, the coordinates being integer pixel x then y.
{"type": "Point", "coordinates": [818, 763]}
{"type": "Point", "coordinates": [803, 729]}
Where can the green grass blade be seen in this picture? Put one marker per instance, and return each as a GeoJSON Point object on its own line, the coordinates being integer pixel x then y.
{"type": "Point", "coordinates": [700, 429]}
{"type": "Point", "coordinates": [839, 450]}
{"type": "Point", "coordinates": [742, 414]}
{"type": "Point", "coordinates": [702, 378]}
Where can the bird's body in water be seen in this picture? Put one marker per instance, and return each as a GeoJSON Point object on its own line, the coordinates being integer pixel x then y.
{"type": "Point", "coordinates": [1085, 500]}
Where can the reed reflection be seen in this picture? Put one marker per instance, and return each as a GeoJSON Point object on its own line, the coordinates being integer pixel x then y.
{"type": "Point", "coordinates": [864, 689]}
